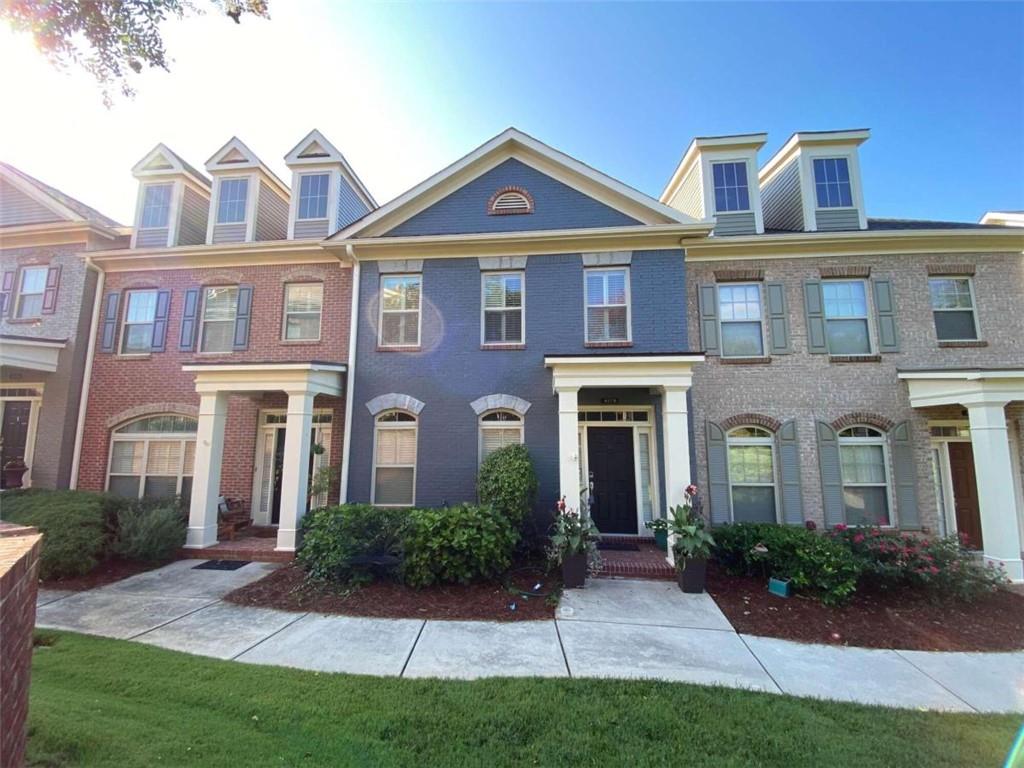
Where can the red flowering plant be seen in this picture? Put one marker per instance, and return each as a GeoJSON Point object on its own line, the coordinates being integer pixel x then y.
{"type": "Point", "coordinates": [573, 533]}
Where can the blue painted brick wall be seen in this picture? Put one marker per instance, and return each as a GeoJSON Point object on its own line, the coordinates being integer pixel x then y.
{"type": "Point", "coordinates": [557, 206]}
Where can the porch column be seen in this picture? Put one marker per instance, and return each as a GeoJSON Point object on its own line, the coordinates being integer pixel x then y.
{"type": "Point", "coordinates": [676, 439]}
{"type": "Point", "coordinates": [1000, 526]}
{"type": "Point", "coordinates": [569, 446]}
{"type": "Point", "coordinates": [295, 472]}
{"type": "Point", "coordinates": [202, 513]}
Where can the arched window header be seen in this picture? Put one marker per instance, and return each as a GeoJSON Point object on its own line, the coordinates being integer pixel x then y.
{"type": "Point", "coordinates": [861, 431]}
{"type": "Point", "coordinates": [162, 424]}
{"type": "Point", "coordinates": [499, 416]}
{"type": "Point", "coordinates": [509, 201]}
{"type": "Point", "coordinates": [395, 416]}
{"type": "Point", "coordinates": [750, 432]}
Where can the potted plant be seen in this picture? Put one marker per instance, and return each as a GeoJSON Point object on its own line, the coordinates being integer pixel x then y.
{"type": "Point", "coordinates": [660, 529]}
{"type": "Point", "coordinates": [691, 545]}
{"type": "Point", "coordinates": [573, 545]}
{"type": "Point", "coordinates": [14, 473]}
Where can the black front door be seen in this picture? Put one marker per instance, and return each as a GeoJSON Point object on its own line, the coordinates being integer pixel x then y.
{"type": "Point", "coordinates": [14, 433]}
{"type": "Point", "coordinates": [275, 504]}
{"type": "Point", "coordinates": [613, 496]}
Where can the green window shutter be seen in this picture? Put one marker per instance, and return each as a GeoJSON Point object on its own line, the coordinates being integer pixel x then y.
{"type": "Point", "coordinates": [789, 474]}
{"type": "Point", "coordinates": [905, 477]}
{"type": "Point", "coordinates": [707, 304]}
{"type": "Point", "coordinates": [885, 316]}
{"type": "Point", "coordinates": [718, 474]}
{"type": "Point", "coordinates": [778, 318]}
{"type": "Point", "coordinates": [831, 475]}
{"type": "Point", "coordinates": [814, 305]}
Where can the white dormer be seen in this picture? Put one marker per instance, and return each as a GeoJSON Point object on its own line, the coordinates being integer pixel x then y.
{"type": "Point", "coordinates": [173, 201]}
{"type": "Point", "coordinates": [717, 177]}
{"type": "Point", "coordinates": [813, 183]}
{"type": "Point", "coordinates": [327, 194]}
{"type": "Point", "coordinates": [249, 202]}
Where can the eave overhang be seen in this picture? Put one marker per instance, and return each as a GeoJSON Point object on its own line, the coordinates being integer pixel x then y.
{"type": "Point", "coordinates": [55, 233]}
{"type": "Point", "coordinates": [32, 354]}
{"type": "Point", "coordinates": [255, 253]}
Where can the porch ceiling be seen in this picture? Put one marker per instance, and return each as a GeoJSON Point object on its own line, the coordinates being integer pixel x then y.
{"type": "Point", "coordinates": [660, 371]}
{"type": "Point", "coordinates": [963, 387]}
{"type": "Point", "coordinates": [317, 378]}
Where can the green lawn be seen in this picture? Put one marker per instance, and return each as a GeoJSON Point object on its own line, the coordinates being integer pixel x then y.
{"type": "Point", "coordinates": [98, 702]}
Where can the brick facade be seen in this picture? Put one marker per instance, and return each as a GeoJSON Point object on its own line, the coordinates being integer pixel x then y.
{"type": "Point", "coordinates": [126, 387]}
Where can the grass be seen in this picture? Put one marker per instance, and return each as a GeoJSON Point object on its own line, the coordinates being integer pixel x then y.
{"type": "Point", "coordinates": [100, 702]}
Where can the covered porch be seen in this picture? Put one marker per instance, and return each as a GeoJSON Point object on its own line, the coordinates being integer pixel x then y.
{"type": "Point", "coordinates": [215, 382]}
{"type": "Point", "coordinates": [993, 457]}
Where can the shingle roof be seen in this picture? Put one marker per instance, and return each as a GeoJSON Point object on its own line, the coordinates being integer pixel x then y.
{"type": "Point", "coordinates": [90, 214]}
{"type": "Point", "coordinates": [882, 224]}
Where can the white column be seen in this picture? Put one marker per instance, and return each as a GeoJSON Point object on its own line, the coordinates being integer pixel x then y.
{"type": "Point", "coordinates": [569, 446]}
{"type": "Point", "coordinates": [1000, 525]}
{"type": "Point", "coordinates": [676, 439]}
{"type": "Point", "coordinates": [202, 514]}
{"type": "Point", "coordinates": [295, 472]}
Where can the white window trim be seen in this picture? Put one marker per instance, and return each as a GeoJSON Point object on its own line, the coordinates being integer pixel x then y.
{"type": "Point", "coordinates": [814, 183]}
{"type": "Point", "coordinates": [124, 323]}
{"type": "Point", "coordinates": [484, 310]}
{"type": "Point", "coordinates": [712, 162]}
{"type": "Point", "coordinates": [945, 497]}
{"type": "Point", "coordinates": [498, 425]}
{"type": "Point", "coordinates": [758, 441]}
{"type": "Point", "coordinates": [974, 306]}
{"type": "Point", "coordinates": [882, 440]}
{"type": "Point", "coordinates": [869, 309]}
{"type": "Point", "coordinates": [35, 403]}
{"type": "Point", "coordinates": [324, 429]}
{"type": "Point", "coordinates": [721, 322]}
{"type": "Point", "coordinates": [298, 195]}
{"type": "Point", "coordinates": [587, 306]}
{"type": "Point", "coordinates": [215, 218]}
{"type": "Point", "coordinates": [145, 438]}
{"type": "Point", "coordinates": [379, 425]}
{"type": "Point", "coordinates": [381, 311]}
{"type": "Point", "coordinates": [20, 293]}
{"type": "Point", "coordinates": [285, 313]}
{"type": "Point", "coordinates": [202, 320]}
{"type": "Point", "coordinates": [170, 203]}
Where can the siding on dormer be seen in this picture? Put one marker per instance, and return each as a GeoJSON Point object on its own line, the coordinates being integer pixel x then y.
{"type": "Point", "coordinates": [229, 233]}
{"type": "Point", "coordinates": [689, 196]}
{"type": "Point", "coordinates": [311, 228]}
{"type": "Point", "coordinates": [151, 238]}
{"type": "Point", "coordinates": [18, 208]}
{"type": "Point", "coordinates": [195, 210]}
{"type": "Point", "coordinates": [271, 215]}
{"type": "Point", "coordinates": [735, 223]}
{"type": "Point", "coordinates": [833, 220]}
{"type": "Point", "coordinates": [781, 201]}
{"type": "Point", "coordinates": [350, 205]}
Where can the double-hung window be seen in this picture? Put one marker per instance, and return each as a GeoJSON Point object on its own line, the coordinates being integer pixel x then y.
{"type": "Point", "coordinates": [731, 190]}
{"type": "Point", "coordinates": [846, 317]}
{"type": "Point", "coordinates": [30, 292]}
{"type": "Point", "coordinates": [394, 460]}
{"type": "Point", "coordinates": [832, 182]}
{"type": "Point", "coordinates": [503, 308]}
{"type": "Point", "coordinates": [400, 310]}
{"type": "Point", "coordinates": [865, 473]}
{"type": "Point", "coordinates": [607, 305]}
{"type": "Point", "coordinates": [751, 475]}
{"type": "Point", "coordinates": [953, 308]}
{"type": "Point", "coordinates": [139, 320]}
{"type": "Point", "coordinates": [303, 304]}
{"type": "Point", "coordinates": [499, 429]}
{"type": "Point", "coordinates": [220, 308]}
{"type": "Point", "coordinates": [313, 196]}
{"type": "Point", "coordinates": [234, 194]}
{"type": "Point", "coordinates": [153, 457]}
{"type": "Point", "coordinates": [739, 311]}
{"type": "Point", "coordinates": [156, 206]}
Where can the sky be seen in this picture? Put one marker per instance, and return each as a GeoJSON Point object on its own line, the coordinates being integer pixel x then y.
{"type": "Point", "coordinates": [405, 89]}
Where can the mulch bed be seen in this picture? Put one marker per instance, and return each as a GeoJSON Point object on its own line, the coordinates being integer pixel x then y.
{"type": "Point", "coordinates": [106, 572]}
{"type": "Point", "coordinates": [287, 589]}
{"type": "Point", "coordinates": [903, 619]}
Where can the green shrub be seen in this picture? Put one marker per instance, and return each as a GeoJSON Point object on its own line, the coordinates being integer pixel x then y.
{"type": "Point", "coordinates": [508, 483]}
{"type": "Point", "coordinates": [72, 524]}
{"type": "Point", "coordinates": [813, 563]}
{"type": "Point", "coordinates": [149, 530]}
{"type": "Point", "coordinates": [352, 543]}
{"type": "Point", "coordinates": [457, 544]}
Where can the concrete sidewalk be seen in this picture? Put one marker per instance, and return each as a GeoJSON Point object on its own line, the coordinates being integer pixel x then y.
{"type": "Point", "coordinates": [612, 629]}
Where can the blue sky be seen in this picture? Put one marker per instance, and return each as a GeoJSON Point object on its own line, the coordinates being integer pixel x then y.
{"type": "Point", "coordinates": [405, 89]}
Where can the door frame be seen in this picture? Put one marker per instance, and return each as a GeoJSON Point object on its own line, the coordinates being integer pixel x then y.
{"type": "Point", "coordinates": [945, 500]}
{"type": "Point", "coordinates": [36, 402]}
{"type": "Point", "coordinates": [647, 427]}
{"type": "Point", "coordinates": [259, 516]}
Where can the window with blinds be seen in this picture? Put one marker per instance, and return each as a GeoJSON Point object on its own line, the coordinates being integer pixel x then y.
{"type": "Point", "coordinates": [499, 429]}
{"type": "Point", "coordinates": [394, 465]}
{"type": "Point", "coordinates": [400, 310]}
{"type": "Point", "coordinates": [607, 305]}
{"type": "Point", "coordinates": [153, 457]}
{"type": "Point", "coordinates": [503, 308]}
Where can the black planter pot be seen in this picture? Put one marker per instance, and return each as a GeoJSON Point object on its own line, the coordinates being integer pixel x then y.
{"type": "Point", "coordinates": [14, 476]}
{"type": "Point", "coordinates": [574, 571]}
{"type": "Point", "coordinates": [693, 575]}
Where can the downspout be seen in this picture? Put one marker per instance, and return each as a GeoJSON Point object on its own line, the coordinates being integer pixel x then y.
{"type": "Point", "coordinates": [83, 400]}
{"type": "Point", "coordinates": [350, 371]}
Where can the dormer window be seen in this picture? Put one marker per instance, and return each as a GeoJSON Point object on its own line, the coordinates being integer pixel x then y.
{"type": "Point", "coordinates": [832, 182]}
{"type": "Point", "coordinates": [731, 191]}
{"type": "Point", "coordinates": [156, 206]}
{"type": "Point", "coordinates": [510, 200]}
{"type": "Point", "coordinates": [233, 197]}
{"type": "Point", "coordinates": [313, 196]}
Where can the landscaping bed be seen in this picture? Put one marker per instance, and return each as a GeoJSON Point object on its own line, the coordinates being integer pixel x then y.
{"type": "Point", "coordinates": [105, 572]}
{"type": "Point", "coordinates": [901, 618]}
{"type": "Point", "coordinates": [288, 589]}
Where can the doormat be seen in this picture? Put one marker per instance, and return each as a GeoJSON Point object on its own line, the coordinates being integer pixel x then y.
{"type": "Point", "coordinates": [221, 565]}
{"type": "Point", "coordinates": [625, 545]}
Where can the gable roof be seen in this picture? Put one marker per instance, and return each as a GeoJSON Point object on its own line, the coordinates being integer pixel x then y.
{"type": "Point", "coordinates": [512, 143]}
{"type": "Point", "coordinates": [172, 162]}
{"type": "Point", "coordinates": [62, 204]}
{"type": "Point", "coordinates": [315, 149]}
{"type": "Point", "coordinates": [235, 155]}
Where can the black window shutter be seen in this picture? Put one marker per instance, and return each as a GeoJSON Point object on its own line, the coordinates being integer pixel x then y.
{"type": "Point", "coordinates": [7, 292]}
{"type": "Point", "coordinates": [189, 321]}
{"type": "Point", "coordinates": [243, 317]}
{"type": "Point", "coordinates": [108, 333]}
{"type": "Point", "coordinates": [163, 309]}
{"type": "Point", "coordinates": [50, 291]}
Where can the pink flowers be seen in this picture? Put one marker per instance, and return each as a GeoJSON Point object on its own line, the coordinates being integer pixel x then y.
{"type": "Point", "coordinates": [840, 527]}
{"type": "Point", "coordinates": [810, 525]}
{"type": "Point", "coordinates": [691, 490]}
{"type": "Point", "coordinates": [858, 538]}
{"type": "Point", "coordinates": [560, 505]}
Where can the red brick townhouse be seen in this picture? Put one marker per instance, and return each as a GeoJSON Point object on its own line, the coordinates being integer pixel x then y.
{"type": "Point", "coordinates": [222, 337]}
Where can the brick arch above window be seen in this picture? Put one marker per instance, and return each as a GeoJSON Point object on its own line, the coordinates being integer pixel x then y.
{"type": "Point", "coordinates": [221, 278]}
{"type": "Point", "coordinates": [750, 420]}
{"type": "Point", "coordinates": [500, 402]}
{"type": "Point", "coordinates": [152, 409]}
{"type": "Point", "coordinates": [306, 274]}
{"type": "Point", "coordinates": [395, 401]}
{"type": "Point", "coordinates": [509, 201]}
{"type": "Point", "coordinates": [863, 417]}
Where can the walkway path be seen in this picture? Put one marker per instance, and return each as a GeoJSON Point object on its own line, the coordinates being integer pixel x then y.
{"type": "Point", "coordinates": [613, 628]}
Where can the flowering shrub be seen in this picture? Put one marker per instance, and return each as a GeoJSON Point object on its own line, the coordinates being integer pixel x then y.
{"type": "Point", "coordinates": [941, 565]}
{"type": "Point", "coordinates": [574, 533]}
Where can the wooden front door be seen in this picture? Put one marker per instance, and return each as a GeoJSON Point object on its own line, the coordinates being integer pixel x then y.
{"type": "Point", "coordinates": [965, 493]}
{"type": "Point", "coordinates": [610, 461]}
